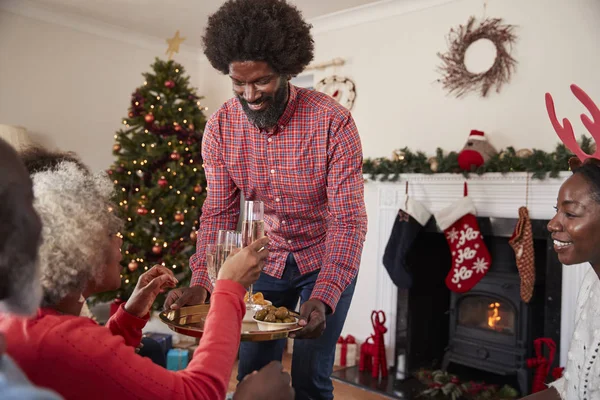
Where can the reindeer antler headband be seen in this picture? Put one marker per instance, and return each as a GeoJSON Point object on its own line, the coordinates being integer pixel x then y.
{"type": "Point", "coordinates": [565, 131]}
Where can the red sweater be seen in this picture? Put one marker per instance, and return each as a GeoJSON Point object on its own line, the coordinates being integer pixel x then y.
{"type": "Point", "coordinates": [79, 359]}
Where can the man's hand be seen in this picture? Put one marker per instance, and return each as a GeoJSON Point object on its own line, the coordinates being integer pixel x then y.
{"type": "Point", "coordinates": [189, 296]}
{"type": "Point", "coordinates": [149, 285]}
{"type": "Point", "coordinates": [312, 319]}
{"type": "Point", "coordinates": [270, 383]}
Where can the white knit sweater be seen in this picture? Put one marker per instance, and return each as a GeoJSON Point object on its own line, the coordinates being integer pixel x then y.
{"type": "Point", "coordinates": [581, 380]}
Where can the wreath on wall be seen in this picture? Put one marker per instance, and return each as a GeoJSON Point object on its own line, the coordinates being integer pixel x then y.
{"type": "Point", "coordinates": [456, 78]}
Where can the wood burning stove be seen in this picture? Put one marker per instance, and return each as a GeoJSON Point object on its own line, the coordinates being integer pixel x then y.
{"type": "Point", "coordinates": [490, 328]}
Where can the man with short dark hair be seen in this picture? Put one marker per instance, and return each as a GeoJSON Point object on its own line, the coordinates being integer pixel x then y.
{"type": "Point", "coordinates": [299, 152]}
{"type": "Point", "coordinates": [20, 290]}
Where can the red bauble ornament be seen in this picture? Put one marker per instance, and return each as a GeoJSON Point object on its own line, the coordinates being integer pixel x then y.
{"type": "Point", "coordinates": [132, 266]}
{"type": "Point", "coordinates": [110, 172]}
{"type": "Point", "coordinates": [177, 128]}
{"type": "Point", "coordinates": [157, 249]}
{"type": "Point", "coordinates": [116, 148]}
{"type": "Point", "coordinates": [130, 114]}
{"type": "Point", "coordinates": [120, 170]}
{"type": "Point", "coordinates": [149, 118]}
{"type": "Point", "coordinates": [170, 84]}
{"type": "Point", "coordinates": [179, 217]}
{"type": "Point", "coordinates": [193, 235]}
{"type": "Point", "coordinates": [162, 182]}
{"type": "Point", "coordinates": [197, 189]}
{"type": "Point", "coordinates": [142, 211]}
{"type": "Point", "coordinates": [175, 156]}
{"type": "Point", "coordinates": [191, 127]}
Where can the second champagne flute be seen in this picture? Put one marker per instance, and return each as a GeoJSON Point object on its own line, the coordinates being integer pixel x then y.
{"type": "Point", "coordinates": [253, 228]}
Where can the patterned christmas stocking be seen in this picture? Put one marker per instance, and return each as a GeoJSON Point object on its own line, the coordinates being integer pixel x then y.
{"type": "Point", "coordinates": [522, 243]}
{"type": "Point", "coordinates": [407, 225]}
{"type": "Point", "coordinates": [470, 257]}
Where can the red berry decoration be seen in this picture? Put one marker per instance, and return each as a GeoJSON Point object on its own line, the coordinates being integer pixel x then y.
{"type": "Point", "coordinates": [162, 182]}
{"type": "Point", "coordinates": [157, 249]}
{"type": "Point", "coordinates": [149, 118]}
{"type": "Point", "coordinates": [142, 211]}
{"type": "Point", "coordinates": [169, 84]}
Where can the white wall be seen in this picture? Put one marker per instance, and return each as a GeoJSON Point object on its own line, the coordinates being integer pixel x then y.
{"type": "Point", "coordinates": [69, 88]}
{"type": "Point", "coordinates": [393, 62]}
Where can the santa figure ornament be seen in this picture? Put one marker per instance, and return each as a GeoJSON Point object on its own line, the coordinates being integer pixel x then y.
{"type": "Point", "coordinates": [470, 257]}
{"type": "Point", "coordinates": [476, 152]}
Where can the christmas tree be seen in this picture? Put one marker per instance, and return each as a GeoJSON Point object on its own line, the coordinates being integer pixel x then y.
{"type": "Point", "coordinates": [158, 176]}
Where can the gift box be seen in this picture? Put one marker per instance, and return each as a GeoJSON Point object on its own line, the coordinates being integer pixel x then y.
{"type": "Point", "coordinates": [346, 351]}
{"type": "Point", "coordinates": [177, 359]}
{"type": "Point", "coordinates": [164, 340]}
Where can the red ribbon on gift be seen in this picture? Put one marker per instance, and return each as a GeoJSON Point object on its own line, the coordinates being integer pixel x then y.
{"type": "Point", "coordinates": [541, 363]}
{"type": "Point", "coordinates": [345, 342]}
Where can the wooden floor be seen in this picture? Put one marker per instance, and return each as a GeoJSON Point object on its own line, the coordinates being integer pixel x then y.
{"type": "Point", "coordinates": [341, 390]}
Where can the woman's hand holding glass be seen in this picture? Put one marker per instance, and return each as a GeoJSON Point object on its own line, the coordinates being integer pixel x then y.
{"type": "Point", "coordinates": [245, 265]}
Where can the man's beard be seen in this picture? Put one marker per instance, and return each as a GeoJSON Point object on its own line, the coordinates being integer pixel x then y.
{"type": "Point", "coordinates": [268, 117]}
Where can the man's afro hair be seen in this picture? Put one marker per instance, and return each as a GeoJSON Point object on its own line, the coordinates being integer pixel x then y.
{"type": "Point", "coordinates": [272, 31]}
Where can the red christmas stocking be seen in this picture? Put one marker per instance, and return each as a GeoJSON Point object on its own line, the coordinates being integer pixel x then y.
{"type": "Point", "coordinates": [470, 257]}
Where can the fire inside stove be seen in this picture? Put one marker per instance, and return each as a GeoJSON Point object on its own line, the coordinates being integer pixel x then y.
{"type": "Point", "coordinates": [494, 315]}
{"type": "Point", "coordinates": [486, 313]}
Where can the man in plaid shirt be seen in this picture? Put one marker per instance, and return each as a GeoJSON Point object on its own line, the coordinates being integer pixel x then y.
{"type": "Point", "coordinates": [299, 152]}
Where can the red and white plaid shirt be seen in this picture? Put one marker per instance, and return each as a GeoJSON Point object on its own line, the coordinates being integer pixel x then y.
{"type": "Point", "coordinates": [308, 173]}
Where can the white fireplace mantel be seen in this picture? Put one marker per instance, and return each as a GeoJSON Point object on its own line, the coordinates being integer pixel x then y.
{"type": "Point", "coordinates": [494, 194]}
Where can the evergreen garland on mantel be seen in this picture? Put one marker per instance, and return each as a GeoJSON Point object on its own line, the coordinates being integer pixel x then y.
{"type": "Point", "coordinates": [538, 162]}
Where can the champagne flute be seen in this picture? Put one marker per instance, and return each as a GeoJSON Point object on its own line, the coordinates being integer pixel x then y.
{"type": "Point", "coordinates": [253, 228]}
{"type": "Point", "coordinates": [211, 263]}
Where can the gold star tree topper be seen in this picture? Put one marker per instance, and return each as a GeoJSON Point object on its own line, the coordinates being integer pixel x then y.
{"type": "Point", "coordinates": [174, 43]}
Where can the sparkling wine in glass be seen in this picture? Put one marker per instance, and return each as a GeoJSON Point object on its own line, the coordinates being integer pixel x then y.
{"type": "Point", "coordinates": [211, 263]}
{"type": "Point", "coordinates": [253, 228]}
{"type": "Point", "coordinates": [226, 242]}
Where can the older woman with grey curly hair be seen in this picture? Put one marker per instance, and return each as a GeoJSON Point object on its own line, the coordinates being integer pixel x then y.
{"type": "Point", "coordinates": [72, 202]}
{"type": "Point", "coordinates": [76, 357]}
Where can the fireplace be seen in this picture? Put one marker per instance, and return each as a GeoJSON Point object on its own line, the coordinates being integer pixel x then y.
{"type": "Point", "coordinates": [488, 328]}
{"type": "Point", "coordinates": [424, 310]}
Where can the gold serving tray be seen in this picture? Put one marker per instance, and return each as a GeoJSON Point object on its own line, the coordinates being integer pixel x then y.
{"type": "Point", "coordinates": [190, 320]}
